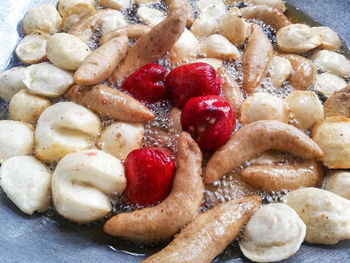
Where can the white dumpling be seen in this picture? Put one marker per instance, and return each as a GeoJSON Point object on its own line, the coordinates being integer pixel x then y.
{"type": "Point", "coordinates": [305, 108]}
{"type": "Point", "coordinates": [326, 215]}
{"type": "Point", "coordinates": [16, 138]}
{"type": "Point", "coordinates": [115, 4]}
{"type": "Point", "coordinates": [278, 4]}
{"type": "Point", "coordinates": [297, 38]}
{"type": "Point", "coordinates": [333, 136]}
{"type": "Point", "coordinates": [150, 16]}
{"type": "Point", "coordinates": [27, 182]}
{"type": "Point", "coordinates": [330, 39]}
{"type": "Point", "coordinates": [75, 13]}
{"type": "Point", "coordinates": [32, 48]}
{"type": "Point", "coordinates": [112, 21]}
{"type": "Point", "coordinates": [217, 46]}
{"type": "Point", "coordinates": [233, 27]}
{"type": "Point", "coordinates": [280, 69]}
{"type": "Point", "coordinates": [11, 82]}
{"type": "Point", "coordinates": [185, 48]}
{"type": "Point", "coordinates": [64, 5]}
{"type": "Point", "coordinates": [215, 8]}
{"type": "Point", "coordinates": [273, 233]}
{"type": "Point", "coordinates": [332, 62]}
{"type": "Point", "coordinates": [47, 80]}
{"type": "Point", "coordinates": [263, 106]}
{"type": "Point", "coordinates": [327, 83]}
{"type": "Point", "coordinates": [63, 128]}
{"type": "Point", "coordinates": [338, 182]}
{"type": "Point", "coordinates": [27, 107]}
{"type": "Point", "coordinates": [82, 183]}
{"type": "Point", "coordinates": [44, 18]}
{"type": "Point", "coordinates": [204, 25]}
{"type": "Point", "coordinates": [120, 138]}
{"type": "Point", "coordinates": [66, 51]}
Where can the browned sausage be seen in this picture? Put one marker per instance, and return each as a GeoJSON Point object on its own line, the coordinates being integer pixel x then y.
{"type": "Point", "coordinates": [132, 31]}
{"type": "Point", "coordinates": [164, 220]}
{"type": "Point", "coordinates": [286, 176]}
{"type": "Point", "coordinates": [99, 65]}
{"type": "Point", "coordinates": [256, 59]}
{"type": "Point", "coordinates": [109, 102]}
{"type": "Point", "coordinates": [258, 137]}
{"type": "Point", "coordinates": [209, 234]}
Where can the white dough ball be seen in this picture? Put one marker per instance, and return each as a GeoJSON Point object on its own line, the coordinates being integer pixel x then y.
{"type": "Point", "coordinates": [27, 107]}
{"type": "Point", "coordinates": [326, 215]}
{"type": "Point", "coordinates": [44, 18]}
{"type": "Point", "coordinates": [120, 138]}
{"type": "Point", "coordinates": [112, 22]}
{"type": "Point", "coordinates": [217, 46]}
{"type": "Point", "coordinates": [330, 39]}
{"type": "Point", "coordinates": [65, 5]}
{"type": "Point", "coordinates": [16, 138]}
{"type": "Point", "coordinates": [32, 48]}
{"type": "Point", "coordinates": [66, 51]}
{"type": "Point", "coordinates": [82, 183]}
{"type": "Point", "coordinates": [332, 62]}
{"type": "Point", "coordinates": [297, 38]}
{"type": "Point", "coordinates": [27, 182]}
{"type": "Point", "coordinates": [47, 80]}
{"type": "Point", "coordinates": [280, 69]}
{"type": "Point", "coordinates": [338, 182]}
{"type": "Point", "coordinates": [327, 83]}
{"type": "Point", "coordinates": [11, 82]}
{"type": "Point", "coordinates": [115, 4]}
{"type": "Point", "coordinates": [150, 16]}
{"type": "Point", "coordinates": [306, 109]}
{"type": "Point", "coordinates": [263, 106]}
{"type": "Point", "coordinates": [204, 25]}
{"type": "Point", "coordinates": [333, 137]}
{"type": "Point", "coordinates": [63, 128]}
{"type": "Point", "coordinates": [215, 8]}
{"type": "Point", "coordinates": [185, 48]}
{"type": "Point", "coordinates": [273, 233]}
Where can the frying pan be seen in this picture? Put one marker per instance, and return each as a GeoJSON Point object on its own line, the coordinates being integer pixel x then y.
{"type": "Point", "coordinates": [50, 238]}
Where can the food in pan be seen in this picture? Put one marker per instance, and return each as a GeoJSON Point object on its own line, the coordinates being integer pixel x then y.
{"type": "Point", "coordinates": [175, 123]}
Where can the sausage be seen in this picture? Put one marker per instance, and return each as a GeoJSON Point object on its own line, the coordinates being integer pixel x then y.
{"type": "Point", "coordinates": [109, 102]}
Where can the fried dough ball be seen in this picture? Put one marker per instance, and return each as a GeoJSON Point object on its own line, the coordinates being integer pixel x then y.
{"type": "Point", "coordinates": [280, 69]}
{"type": "Point", "coordinates": [273, 233]}
{"type": "Point", "coordinates": [63, 128]}
{"type": "Point", "coordinates": [233, 27]}
{"type": "Point", "coordinates": [66, 51]}
{"type": "Point", "coordinates": [217, 46]}
{"type": "Point", "coordinates": [327, 83]}
{"type": "Point", "coordinates": [44, 18]}
{"type": "Point", "coordinates": [150, 16]}
{"type": "Point", "coordinates": [32, 48]}
{"type": "Point", "coordinates": [82, 182]}
{"type": "Point", "coordinates": [330, 39]}
{"type": "Point", "coordinates": [11, 82]}
{"type": "Point", "coordinates": [27, 107]}
{"type": "Point", "coordinates": [120, 138]}
{"type": "Point", "coordinates": [263, 106]}
{"type": "Point", "coordinates": [204, 25]}
{"type": "Point", "coordinates": [64, 5]}
{"type": "Point", "coordinates": [297, 38]}
{"type": "Point", "coordinates": [26, 181]}
{"type": "Point", "coordinates": [215, 8]}
{"type": "Point", "coordinates": [47, 80]}
{"type": "Point", "coordinates": [16, 138]}
{"type": "Point", "coordinates": [326, 215]}
{"type": "Point", "coordinates": [75, 13]}
{"type": "Point", "coordinates": [185, 48]}
{"type": "Point", "coordinates": [332, 62]}
{"type": "Point", "coordinates": [338, 182]}
{"type": "Point", "coordinates": [112, 22]}
{"type": "Point", "coordinates": [115, 4]}
{"type": "Point", "coordinates": [333, 136]}
{"type": "Point", "coordinates": [306, 109]}
{"type": "Point", "coordinates": [278, 4]}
